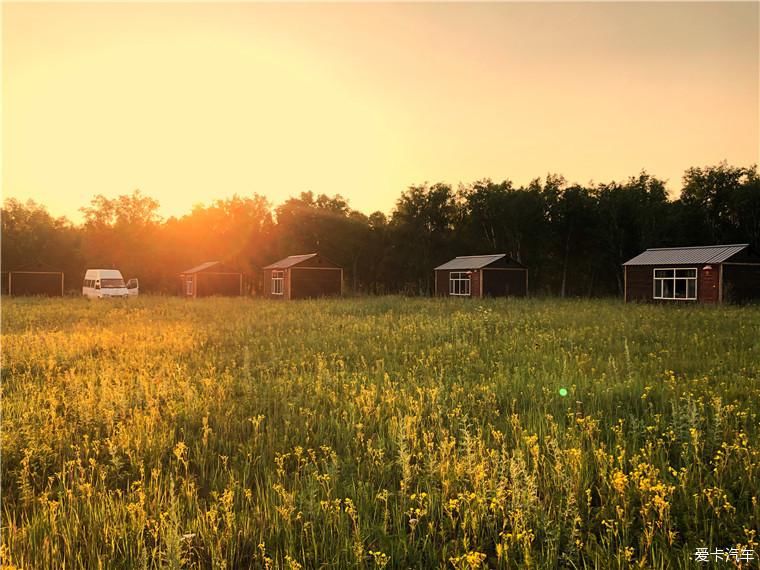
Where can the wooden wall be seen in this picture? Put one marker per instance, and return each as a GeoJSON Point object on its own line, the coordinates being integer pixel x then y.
{"type": "Point", "coordinates": [29, 283]}
{"type": "Point", "coordinates": [306, 282]}
{"type": "Point", "coordinates": [505, 282]}
{"type": "Point", "coordinates": [741, 283]}
{"type": "Point", "coordinates": [309, 283]}
{"type": "Point", "coordinates": [221, 284]}
{"type": "Point", "coordinates": [640, 283]}
{"type": "Point", "coordinates": [442, 282]}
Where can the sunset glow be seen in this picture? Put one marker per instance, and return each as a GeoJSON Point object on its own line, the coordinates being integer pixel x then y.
{"type": "Point", "coordinates": [194, 102]}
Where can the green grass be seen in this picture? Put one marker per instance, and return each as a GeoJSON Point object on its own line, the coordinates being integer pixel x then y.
{"type": "Point", "coordinates": [403, 433]}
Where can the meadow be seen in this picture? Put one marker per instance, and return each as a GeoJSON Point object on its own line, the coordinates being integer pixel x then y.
{"type": "Point", "coordinates": [380, 432]}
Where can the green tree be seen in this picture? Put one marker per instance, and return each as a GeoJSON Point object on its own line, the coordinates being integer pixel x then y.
{"type": "Point", "coordinates": [715, 191]}
{"type": "Point", "coordinates": [32, 239]}
{"type": "Point", "coordinates": [123, 233]}
{"type": "Point", "coordinates": [422, 228]}
{"type": "Point", "coordinates": [572, 215]}
{"type": "Point", "coordinates": [745, 208]}
{"type": "Point", "coordinates": [632, 217]}
{"type": "Point", "coordinates": [329, 226]}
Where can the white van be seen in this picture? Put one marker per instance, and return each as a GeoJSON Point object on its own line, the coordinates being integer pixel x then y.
{"type": "Point", "coordinates": [106, 283]}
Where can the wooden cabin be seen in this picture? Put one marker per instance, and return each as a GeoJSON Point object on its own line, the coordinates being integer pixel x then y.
{"type": "Point", "coordinates": [211, 278]}
{"type": "Point", "coordinates": [705, 274]}
{"type": "Point", "coordinates": [30, 283]}
{"type": "Point", "coordinates": [303, 277]}
{"type": "Point", "coordinates": [33, 279]}
{"type": "Point", "coordinates": [495, 275]}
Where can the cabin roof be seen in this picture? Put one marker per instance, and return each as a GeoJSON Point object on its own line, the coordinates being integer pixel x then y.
{"type": "Point", "coordinates": [471, 261]}
{"type": "Point", "coordinates": [290, 261]}
{"type": "Point", "coordinates": [679, 255]}
{"type": "Point", "coordinates": [202, 267]}
{"type": "Point", "coordinates": [33, 266]}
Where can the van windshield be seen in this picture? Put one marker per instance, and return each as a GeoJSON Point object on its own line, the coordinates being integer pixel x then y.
{"type": "Point", "coordinates": [111, 283]}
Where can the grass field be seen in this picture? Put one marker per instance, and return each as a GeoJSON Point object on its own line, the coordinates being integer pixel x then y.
{"type": "Point", "coordinates": [387, 432]}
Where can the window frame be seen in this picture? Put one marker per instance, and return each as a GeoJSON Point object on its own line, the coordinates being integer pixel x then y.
{"type": "Point", "coordinates": [457, 284]}
{"type": "Point", "coordinates": [673, 278]}
{"type": "Point", "coordinates": [112, 283]}
{"type": "Point", "coordinates": [278, 282]}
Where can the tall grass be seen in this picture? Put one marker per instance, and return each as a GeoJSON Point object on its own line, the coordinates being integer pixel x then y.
{"type": "Point", "coordinates": [388, 432]}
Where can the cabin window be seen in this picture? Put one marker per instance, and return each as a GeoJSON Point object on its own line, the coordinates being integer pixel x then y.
{"type": "Point", "coordinates": [278, 282]}
{"type": "Point", "coordinates": [189, 287]}
{"type": "Point", "coordinates": [459, 284]}
{"type": "Point", "coordinates": [679, 284]}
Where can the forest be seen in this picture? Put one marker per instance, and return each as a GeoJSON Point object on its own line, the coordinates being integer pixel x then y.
{"type": "Point", "coordinates": [573, 238]}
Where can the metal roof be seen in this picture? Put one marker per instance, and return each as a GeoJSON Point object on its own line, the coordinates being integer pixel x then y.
{"type": "Point", "coordinates": [471, 261]}
{"type": "Point", "coordinates": [201, 267]}
{"type": "Point", "coordinates": [38, 266]}
{"type": "Point", "coordinates": [678, 255]}
{"type": "Point", "coordinates": [290, 261]}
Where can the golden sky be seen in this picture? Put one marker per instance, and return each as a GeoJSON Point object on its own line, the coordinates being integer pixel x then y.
{"type": "Point", "coordinates": [193, 102]}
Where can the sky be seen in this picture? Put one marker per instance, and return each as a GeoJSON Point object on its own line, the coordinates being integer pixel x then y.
{"type": "Point", "coordinates": [190, 103]}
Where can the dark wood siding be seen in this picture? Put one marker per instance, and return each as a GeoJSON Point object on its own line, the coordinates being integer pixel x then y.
{"type": "Point", "coordinates": [504, 282]}
{"type": "Point", "coordinates": [638, 285]}
{"type": "Point", "coordinates": [442, 283]}
{"type": "Point", "coordinates": [311, 283]}
{"type": "Point", "coordinates": [215, 279]}
{"type": "Point", "coordinates": [475, 278]}
{"type": "Point", "coordinates": [22, 283]}
{"type": "Point", "coordinates": [640, 282]}
{"type": "Point", "coordinates": [442, 277]}
{"type": "Point", "coordinates": [222, 284]}
{"type": "Point", "coordinates": [741, 283]}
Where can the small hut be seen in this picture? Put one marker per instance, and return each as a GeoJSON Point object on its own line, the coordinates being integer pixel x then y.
{"type": "Point", "coordinates": [211, 278]}
{"type": "Point", "coordinates": [302, 277]}
{"type": "Point", "coordinates": [705, 274]}
{"type": "Point", "coordinates": [27, 283]}
{"type": "Point", "coordinates": [495, 275]}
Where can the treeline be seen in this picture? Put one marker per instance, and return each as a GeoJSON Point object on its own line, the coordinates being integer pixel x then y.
{"type": "Point", "coordinates": [573, 238]}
